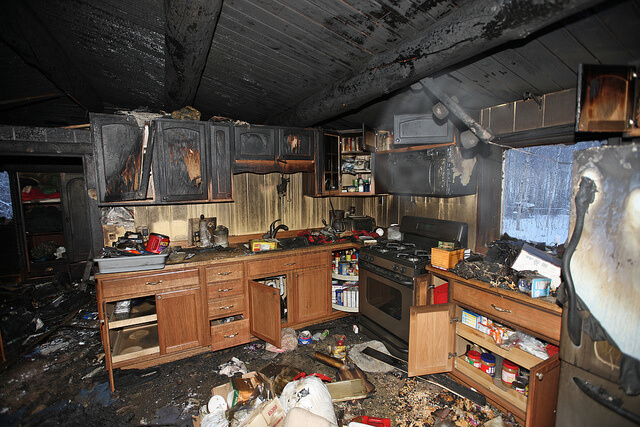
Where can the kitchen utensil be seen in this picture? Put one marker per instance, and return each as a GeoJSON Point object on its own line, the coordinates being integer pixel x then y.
{"type": "Point", "coordinates": [346, 371]}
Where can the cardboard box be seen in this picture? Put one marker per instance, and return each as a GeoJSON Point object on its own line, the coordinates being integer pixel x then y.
{"type": "Point", "coordinates": [532, 259]}
{"type": "Point", "coordinates": [268, 414]}
{"type": "Point", "coordinates": [257, 245]}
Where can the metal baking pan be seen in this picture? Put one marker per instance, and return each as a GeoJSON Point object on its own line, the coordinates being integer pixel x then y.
{"type": "Point", "coordinates": [131, 263]}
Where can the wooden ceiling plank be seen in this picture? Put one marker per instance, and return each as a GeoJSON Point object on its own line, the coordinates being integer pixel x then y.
{"type": "Point", "coordinates": [314, 32]}
{"type": "Point", "coordinates": [567, 49]}
{"type": "Point", "coordinates": [457, 36]}
{"type": "Point", "coordinates": [599, 41]}
{"type": "Point", "coordinates": [392, 15]}
{"type": "Point", "coordinates": [548, 63]}
{"type": "Point", "coordinates": [286, 49]}
{"type": "Point", "coordinates": [451, 85]}
{"type": "Point", "coordinates": [299, 39]}
{"type": "Point", "coordinates": [503, 75]}
{"type": "Point", "coordinates": [477, 81]}
{"type": "Point", "coordinates": [529, 72]}
{"type": "Point", "coordinates": [619, 19]}
{"type": "Point", "coordinates": [189, 28]}
{"type": "Point", "coordinates": [21, 29]}
{"type": "Point", "coordinates": [315, 10]}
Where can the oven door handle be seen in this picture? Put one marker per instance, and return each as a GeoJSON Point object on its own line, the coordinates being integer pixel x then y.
{"type": "Point", "coordinates": [606, 399]}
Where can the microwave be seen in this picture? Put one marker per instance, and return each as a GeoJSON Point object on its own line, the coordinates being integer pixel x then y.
{"type": "Point", "coordinates": [437, 172]}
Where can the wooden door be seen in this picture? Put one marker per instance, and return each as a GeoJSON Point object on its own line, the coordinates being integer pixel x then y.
{"type": "Point", "coordinates": [179, 160]}
{"type": "Point", "coordinates": [122, 166]}
{"type": "Point", "coordinates": [296, 144]}
{"type": "Point", "coordinates": [311, 293]}
{"type": "Point", "coordinates": [264, 312]}
{"type": "Point", "coordinates": [543, 393]}
{"type": "Point", "coordinates": [255, 143]}
{"type": "Point", "coordinates": [220, 161]}
{"type": "Point", "coordinates": [77, 232]}
{"type": "Point", "coordinates": [180, 320]}
{"type": "Point", "coordinates": [431, 339]}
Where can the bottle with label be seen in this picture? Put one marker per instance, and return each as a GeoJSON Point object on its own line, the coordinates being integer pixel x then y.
{"type": "Point", "coordinates": [360, 184]}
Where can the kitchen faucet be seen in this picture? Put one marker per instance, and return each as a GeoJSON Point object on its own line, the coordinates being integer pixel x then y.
{"type": "Point", "coordinates": [273, 230]}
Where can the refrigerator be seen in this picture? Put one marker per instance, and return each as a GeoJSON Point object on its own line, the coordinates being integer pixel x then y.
{"type": "Point", "coordinates": [600, 341]}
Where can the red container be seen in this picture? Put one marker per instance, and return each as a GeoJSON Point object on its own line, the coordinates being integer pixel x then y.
{"type": "Point", "coordinates": [473, 357]}
{"type": "Point", "coordinates": [441, 294]}
{"type": "Point", "coordinates": [156, 243]}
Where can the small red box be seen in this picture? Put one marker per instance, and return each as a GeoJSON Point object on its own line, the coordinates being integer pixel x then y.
{"type": "Point", "coordinates": [441, 294]}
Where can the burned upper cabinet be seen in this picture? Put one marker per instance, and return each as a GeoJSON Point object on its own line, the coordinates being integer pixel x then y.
{"type": "Point", "coordinates": [122, 165]}
{"type": "Point", "coordinates": [606, 98]}
{"type": "Point", "coordinates": [253, 142]}
{"type": "Point", "coordinates": [296, 144]}
{"type": "Point", "coordinates": [180, 160]}
{"type": "Point", "coordinates": [220, 160]}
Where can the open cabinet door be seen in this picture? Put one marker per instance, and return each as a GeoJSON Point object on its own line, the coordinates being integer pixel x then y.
{"type": "Point", "coordinates": [264, 313]}
{"type": "Point", "coordinates": [543, 393]}
{"type": "Point", "coordinates": [431, 339]}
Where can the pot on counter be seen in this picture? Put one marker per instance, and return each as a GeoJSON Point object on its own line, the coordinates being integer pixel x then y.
{"type": "Point", "coordinates": [221, 236]}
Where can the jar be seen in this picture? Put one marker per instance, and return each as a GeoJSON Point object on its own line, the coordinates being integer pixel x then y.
{"type": "Point", "coordinates": [488, 363]}
{"type": "Point", "coordinates": [474, 358]}
{"type": "Point", "coordinates": [509, 373]}
{"type": "Point", "coordinates": [519, 387]}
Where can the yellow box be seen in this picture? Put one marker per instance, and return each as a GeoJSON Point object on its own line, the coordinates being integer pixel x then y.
{"type": "Point", "coordinates": [445, 259]}
{"type": "Point", "coordinates": [258, 245]}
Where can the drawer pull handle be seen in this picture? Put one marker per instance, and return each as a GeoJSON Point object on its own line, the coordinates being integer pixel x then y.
{"type": "Point", "coordinates": [224, 290]}
{"type": "Point", "coordinates": [290, 263]}
{"type": "Point", "coordinates": [226, 308]}
{"type": "Point", "coordinates": [153, 283]}
{"type": "Point", "coordinates": [232, 335]}
{"type": "Point", "coordinates": [501, 310]}
{"type": "Point", "coordinates": [224, 274]}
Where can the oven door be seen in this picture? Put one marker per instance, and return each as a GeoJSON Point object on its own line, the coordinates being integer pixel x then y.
{"type": "Point", "coordinates": [384, 300]}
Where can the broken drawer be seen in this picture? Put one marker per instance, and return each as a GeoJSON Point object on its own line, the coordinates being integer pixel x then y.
{"type": "Point", "coordinates": [132, 285]}
{"type": "Point", "coordinates": [226, 335]}
{"type": "Point", "coordinates": [225, 272]}
{"type": "Point", "coordinates": [223, 307]}
{"type": "Point", "coordinates": [225, 289]}
{"type": "Point", "coordinates": [514, 309]}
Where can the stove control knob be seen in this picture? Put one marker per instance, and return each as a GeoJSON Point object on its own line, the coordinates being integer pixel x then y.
{"type": "Point", "coordinates": [403, 270]}
{"type": "Point", "coordinates": [395, 267]}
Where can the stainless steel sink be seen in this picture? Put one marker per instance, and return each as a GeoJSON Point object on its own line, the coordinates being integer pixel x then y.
{"type": "Point", "coordinates": [293, 242]}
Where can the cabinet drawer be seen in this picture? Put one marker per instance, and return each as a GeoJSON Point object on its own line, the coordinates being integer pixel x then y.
{"type": "Point", "coordinates": [224, 272]}
{"type": "Point", "coordinates": [225, 289]}
{"type": "Point", "coordinates": [141, 284]}
{"type": "Point", "coordinates": [266, 267]}
{"type": "Point", "coordinates": [229, 334]}
{"type": "Point", "coordinates": [282, 264]}
{"type": "Point", "coordinates": [519, 314]}
{"type": "Point", "coordinates": [222, 307]}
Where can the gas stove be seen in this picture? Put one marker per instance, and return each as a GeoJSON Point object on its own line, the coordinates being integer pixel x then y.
{"type": "Point", "coordinates": [405, 258]}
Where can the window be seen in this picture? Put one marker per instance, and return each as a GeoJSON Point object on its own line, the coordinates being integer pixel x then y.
{"type": "Point", "coordinates": [6, 210]}
{"type": "Point", "coordinates": [536, 192]}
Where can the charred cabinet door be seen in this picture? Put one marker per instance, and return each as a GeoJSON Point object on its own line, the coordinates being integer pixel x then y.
{"type": "Point", "coordinates": [431, 339]}
{"type": "Point", "coordinates": [220, 161]}
{"type": "Point", "coordinates": [296, 144]}
{"type": "Point", "coordinates": [179, 161]}
{"type": "Point", "coordinates": [264, 313]}
{"type": "Point", "coordinates": [255, 142]}
{"type": "Point", "coordinates": [77, 230]}
{"type": "Point", "coordinates": [122, 165]}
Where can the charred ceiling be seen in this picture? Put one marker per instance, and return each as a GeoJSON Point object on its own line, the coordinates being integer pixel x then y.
{"type": "Point", "coordinates": [299, 62]}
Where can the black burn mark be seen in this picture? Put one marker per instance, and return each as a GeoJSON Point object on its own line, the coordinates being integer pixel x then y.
{"type": "Point", "coordinates": [516, 14]}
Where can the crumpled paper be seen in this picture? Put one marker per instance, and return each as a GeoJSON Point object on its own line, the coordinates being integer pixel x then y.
{"type": "Point", "coordinates": [232, 367]}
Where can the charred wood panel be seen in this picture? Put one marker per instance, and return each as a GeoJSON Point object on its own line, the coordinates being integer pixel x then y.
{"type": "Point", "coordinates": [120, 159]}
{"type": "Point", "coordinates": [179, 160]}
{"type": "Point", "coordinates": [537, 81]}
{"type": "Point", "coordinates": [220, 159]}
{"type": "Point", "coordinates": [77, 230]}
{"type": "Point", "coordinates": [255, 143]}
{"type": "Point", "coordinates": [296, 144]}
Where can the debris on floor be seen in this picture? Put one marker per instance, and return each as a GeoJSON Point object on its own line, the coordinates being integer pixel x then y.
{"type": "Point", "coordinates": [57, 375]}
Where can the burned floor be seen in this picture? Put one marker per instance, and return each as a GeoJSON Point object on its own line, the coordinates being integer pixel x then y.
{"type": "Point", "coordinates": [55, 372]}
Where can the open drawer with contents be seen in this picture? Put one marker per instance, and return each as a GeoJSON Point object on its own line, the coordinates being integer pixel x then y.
{"type": "Point", "coordinates": [439, 342]}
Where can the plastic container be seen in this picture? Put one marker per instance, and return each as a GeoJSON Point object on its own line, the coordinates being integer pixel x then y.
{"type": "Point", "coordinates": [509, 373]}
{"type": "Point", "coordinates": [488, 363]}
{"type": "Point", "coordinates": [474, 358]}
{"type": "Point", "coordinates": [519, 387]}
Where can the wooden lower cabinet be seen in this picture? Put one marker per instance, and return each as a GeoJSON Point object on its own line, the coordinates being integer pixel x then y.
{"type": "Point", "coordinates": [438, 342]}
{"type": "Point", "coordinates": [181, 320]}
{"type": "Point", "coordinates": [306, 294]}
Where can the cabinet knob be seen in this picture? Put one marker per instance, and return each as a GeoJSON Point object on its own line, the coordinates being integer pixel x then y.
{"type": "Point", "coordinates": [539, 375]}
{"type": "Point", "coordinates": [501, 310]}
{"type": "Point", "coordinates": [159, 297]}
{"type": "Point", "coordinates": [153, 283]}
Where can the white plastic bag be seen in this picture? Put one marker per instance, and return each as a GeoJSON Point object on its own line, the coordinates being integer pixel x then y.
{"type": "Point", "coordinates": [311, 394]}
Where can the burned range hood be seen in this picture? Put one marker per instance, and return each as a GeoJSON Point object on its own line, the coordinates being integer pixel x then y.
{"type": "Point", "coordinates": [437, 172]}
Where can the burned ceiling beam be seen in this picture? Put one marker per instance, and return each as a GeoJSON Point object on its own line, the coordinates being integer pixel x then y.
{"type": "Point", "coordinates": [189, 28]}
{"type": "Point", "coordinates": [466, 32]}
{"type": "Point", "coordinates": [23, 32]}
